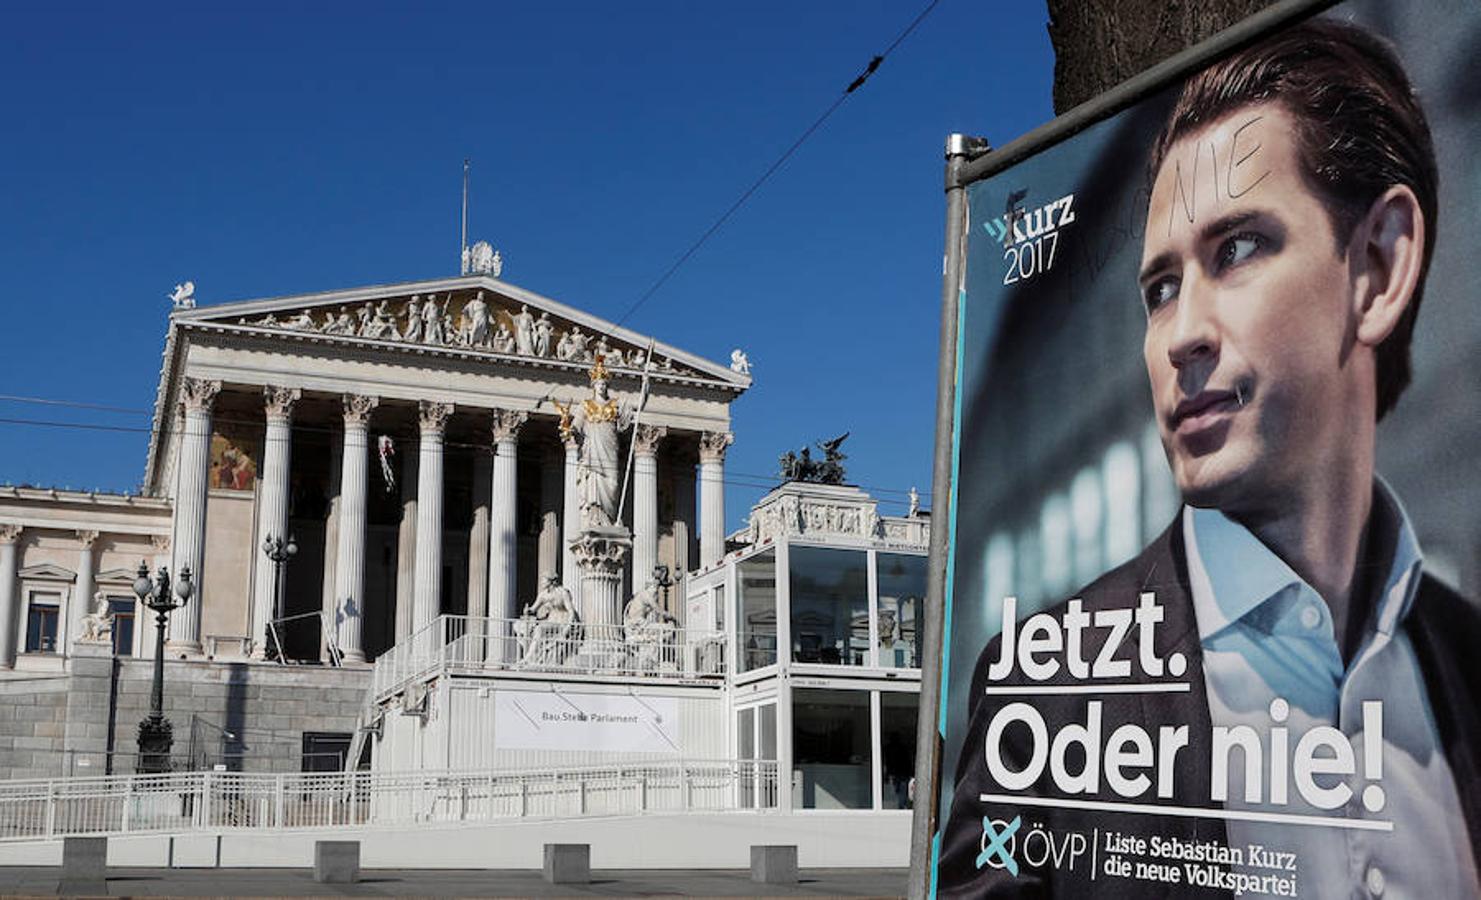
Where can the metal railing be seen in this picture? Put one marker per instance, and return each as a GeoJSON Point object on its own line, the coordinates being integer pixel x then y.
{"type": "Point", "coordinates": [217, 801]}
{"type": "Point", "coordinates": [475, 644]}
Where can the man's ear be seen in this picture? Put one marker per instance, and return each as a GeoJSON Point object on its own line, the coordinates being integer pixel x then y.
{"type": "Point", "coordinates": [1387, 252]}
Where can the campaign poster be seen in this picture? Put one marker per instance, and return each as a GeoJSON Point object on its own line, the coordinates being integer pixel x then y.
{"type": "Point", "coordinates": [1212, 624]}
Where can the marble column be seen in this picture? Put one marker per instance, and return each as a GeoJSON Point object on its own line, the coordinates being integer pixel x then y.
{"type": "Point", "coordinates": [349, 562]}
{"type": "Point", "coordinates": [328, 605]}
{"type": "Point", "coordinates": [478, 534]}
{"type": "Point", "coordinates": [86, 586]}
{"type": "Point", "coordinates": [571, 514]}
{"type": "Point", "coordinates": [10, 595]}
{"type": "Point", "coordinates": [712, 447]}
{"type": "Point", "coordinates": [645, 503]}
{"type": "Point", "coordinates": [197, 395]}
{"type": "Point", "coordinates": [406, 544]}
{"type": "Point", "coordinates": [503, 506]}
{"type": "Point", "coordinates": [272, 510]}
{"type": "Point", "coordinates": [552, 499]}
{"type": "Point", "coordinates": [601, 556]}
{"type": "Point", "coordinates": [427, 595]}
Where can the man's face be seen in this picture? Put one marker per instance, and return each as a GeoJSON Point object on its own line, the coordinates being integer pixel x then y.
{"type": "Point", "coordinates": [1249, 320]}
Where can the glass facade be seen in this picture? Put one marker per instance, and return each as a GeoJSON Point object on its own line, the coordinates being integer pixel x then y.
{"type": "Point", "coordinates": [832, 754]}
{"type": "Point", "coordinates": [830, 606]}
{"type": "Point", "coordinates": [848, 612]}
{"type": "Point", "coordinates": [756, 584]}
{"type": "Point", "coordinates": [897, 718]}
{"type": "Point", "coordinates": [900, 581]}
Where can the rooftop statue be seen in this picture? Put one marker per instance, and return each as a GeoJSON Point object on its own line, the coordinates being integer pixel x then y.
{"type": "Point", "coordinates": [802, 467]}
{"type": "Point", "coordinates": [482, 259]}
{"type": "Point", "coordinates": [183, 296]}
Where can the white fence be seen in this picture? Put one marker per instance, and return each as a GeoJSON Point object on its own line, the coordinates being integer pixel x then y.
{"type": "Point", "coordinates": [215, 801]}
{"type": "Point", "coordinates": [475, 644]}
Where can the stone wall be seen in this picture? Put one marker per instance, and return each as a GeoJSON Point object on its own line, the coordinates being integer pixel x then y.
{"type": "Point", "coordinates": [33, 717]}
{"type": "Point", "coordinates": [250, 716]}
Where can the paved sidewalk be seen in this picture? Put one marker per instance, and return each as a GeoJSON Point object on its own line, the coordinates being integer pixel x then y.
{"type": "Point", "coordinates": [42, 881]}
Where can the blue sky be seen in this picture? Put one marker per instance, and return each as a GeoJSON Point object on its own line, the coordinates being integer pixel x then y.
{"type": "Point", "coordinates": [283, 148]}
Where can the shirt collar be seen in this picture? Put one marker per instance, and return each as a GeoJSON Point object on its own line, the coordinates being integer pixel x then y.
{"type": "Point", "coordinates": [1231, 572]}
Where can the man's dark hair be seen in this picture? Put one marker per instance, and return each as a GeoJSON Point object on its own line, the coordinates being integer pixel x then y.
{"type": "Point", "coordinates": [1359, 131]}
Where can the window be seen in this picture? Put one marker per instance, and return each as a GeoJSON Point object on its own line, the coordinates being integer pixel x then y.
{"type": "Point", "coordinates": [901, 583]}
{"type": "Point", "coordinates": [123, 625]}
{"type": "Point", "coordinates": [830, 606]}
{"type": "Point", "coordinates": [325, 751]}
{"type": "Point", "coordinates": [756, 581]}
{"type": "Point", "coordinates": [897, 718]}
{"type": "Point", "coordinates": [41, 622]}
{"type": "Point", "coordinates": [755, 747]}
{"type": "Point", "coordinates": [831, 762]}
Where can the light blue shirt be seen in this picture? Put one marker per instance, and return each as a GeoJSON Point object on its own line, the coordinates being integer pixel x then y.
{"type": "Point", "coordinates": [1266, 634]}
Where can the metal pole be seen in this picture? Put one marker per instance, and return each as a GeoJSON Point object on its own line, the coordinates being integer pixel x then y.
{"type": "Point", "coordinates": [960, 149]}
{"type": "Point", "coordinates": [278, 610]}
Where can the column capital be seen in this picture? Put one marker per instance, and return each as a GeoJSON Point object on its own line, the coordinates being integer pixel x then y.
{"type": "Point", "coordinates": [86, 538]}
{"type": "Point", "coordinates": [507, 423]}
{"type": "Point", "coordinates": [713, 444]}
{"type": "Point", "coordinates": [198, 394]}
{"type": "Point", "coordinates": [9, 534]}
{"type": "Point", "coordinates": [647, 437]}
{"type": "Point", "coordinates": [358, 408]}
{"type": "Point", "coordinates": [278, 402]}
{"type": "Point", "coordinates": [432, 416]}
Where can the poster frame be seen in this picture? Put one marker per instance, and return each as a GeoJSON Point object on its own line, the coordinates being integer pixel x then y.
{"type": "Point", "coordinates": [968, 160]}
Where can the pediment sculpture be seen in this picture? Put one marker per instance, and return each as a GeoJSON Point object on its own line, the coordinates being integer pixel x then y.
{"type": "Point", "coordinates": [474, 322]}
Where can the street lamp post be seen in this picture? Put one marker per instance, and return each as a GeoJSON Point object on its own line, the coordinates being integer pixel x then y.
{"type": "Point", "coordinates": [664, 582]}
{"type": "Point", "coordinates": [156, 736]}
{"type": "Point", "coordinates": [279, 553]}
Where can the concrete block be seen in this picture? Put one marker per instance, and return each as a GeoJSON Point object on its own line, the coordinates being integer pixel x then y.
{"type": "Point", "coordinates": [774, 863]}
{"type": "Point", "coordinates": [568, 863]}
{"type": "Point", "coordinates": [84, 866]}
{"type": "Point", "coordinates": [336, 862]}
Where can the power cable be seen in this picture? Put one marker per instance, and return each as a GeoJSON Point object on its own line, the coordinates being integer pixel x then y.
{"type": "Point", "coordinates": [858, 82]}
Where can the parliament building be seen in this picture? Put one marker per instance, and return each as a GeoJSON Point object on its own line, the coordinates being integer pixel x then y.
{"type": "Point", "coordinates": [383, 500]}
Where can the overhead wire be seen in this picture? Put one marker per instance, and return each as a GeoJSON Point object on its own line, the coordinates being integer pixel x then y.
{"type": "Point", "coordinates": [858, 82]}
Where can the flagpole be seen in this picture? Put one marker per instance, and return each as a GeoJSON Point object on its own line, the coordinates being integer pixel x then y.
{"type": "Point", "coordinates": [463, 252]}
{"type": "Point", "coordinates": [632, 445]}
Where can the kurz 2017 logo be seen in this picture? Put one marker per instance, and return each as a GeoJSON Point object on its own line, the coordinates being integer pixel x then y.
{"type": "Point", "coordinates": [1030, 237]}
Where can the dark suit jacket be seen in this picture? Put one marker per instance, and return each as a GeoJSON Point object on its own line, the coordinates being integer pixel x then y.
{"type": "Point", "coordinates": [1443, 627]}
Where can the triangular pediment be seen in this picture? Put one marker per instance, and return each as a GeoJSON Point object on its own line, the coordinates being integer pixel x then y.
{"type": "Point", "coordinates": [47, 572]}
{"type": "Point", "coordinates": [473, 314]}
{"type": "Point", "coordinates": [117, 576]}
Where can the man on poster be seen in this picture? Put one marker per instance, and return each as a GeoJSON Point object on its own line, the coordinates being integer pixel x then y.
{"type": "Point", "coordinates": [1289, 230]}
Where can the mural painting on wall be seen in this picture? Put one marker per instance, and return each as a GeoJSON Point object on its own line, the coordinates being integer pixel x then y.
{"type": "Point", "coordinates": [233, 466]}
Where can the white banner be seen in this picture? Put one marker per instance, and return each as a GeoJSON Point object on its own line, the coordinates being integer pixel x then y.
{"type": "Point", "coordinates": [545, 720]}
